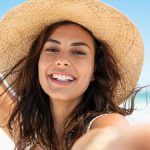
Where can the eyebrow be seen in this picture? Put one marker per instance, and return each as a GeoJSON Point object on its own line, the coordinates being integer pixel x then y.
{"type": "Point", "coordinates": [72, 44]}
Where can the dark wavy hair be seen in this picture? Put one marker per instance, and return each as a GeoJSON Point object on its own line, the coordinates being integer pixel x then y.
{"type": "Point", "coordinates": [32, 112]}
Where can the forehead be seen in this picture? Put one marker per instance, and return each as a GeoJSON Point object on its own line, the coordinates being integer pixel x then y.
{"type": "Point", "coordinates": [72, 31]}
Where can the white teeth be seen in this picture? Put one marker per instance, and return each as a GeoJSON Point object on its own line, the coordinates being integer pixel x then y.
{"type": "Point", "coordinates": [62, 77]}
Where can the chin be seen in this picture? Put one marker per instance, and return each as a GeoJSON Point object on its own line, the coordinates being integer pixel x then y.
{"type": "Point", "coordinates": [60, 98]}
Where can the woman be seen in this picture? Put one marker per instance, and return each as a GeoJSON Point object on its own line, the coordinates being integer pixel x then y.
{"type": "Point", "coordinates": [69, 65]}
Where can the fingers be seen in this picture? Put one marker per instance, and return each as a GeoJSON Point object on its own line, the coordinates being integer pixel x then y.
{"type": "Point", "coordinates": [138, 137]}
{"type": "Point", "coordinates": [132, 138]}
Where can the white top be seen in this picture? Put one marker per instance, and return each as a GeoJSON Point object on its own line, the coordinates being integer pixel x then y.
{"type": "Point", "coordinates": [90, 124]}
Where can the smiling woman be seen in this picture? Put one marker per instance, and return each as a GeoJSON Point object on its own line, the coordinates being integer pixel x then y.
{"type": "Point", "coordinates": [67, 60]}
{"type": "Point", "coordinates": [69, 74]}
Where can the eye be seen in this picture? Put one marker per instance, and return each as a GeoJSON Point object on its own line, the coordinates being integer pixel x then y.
{"type": "Point", "coordinates": [79, 52]}
{"type": "Point", "coordinates": [52, 50]}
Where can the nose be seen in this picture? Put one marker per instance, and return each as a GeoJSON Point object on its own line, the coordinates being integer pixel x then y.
{"type": "Point", "coordinates": [62, 62]}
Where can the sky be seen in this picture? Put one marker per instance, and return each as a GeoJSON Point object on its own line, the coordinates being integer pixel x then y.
{"type": "Point", "coordinates": [137, 10]}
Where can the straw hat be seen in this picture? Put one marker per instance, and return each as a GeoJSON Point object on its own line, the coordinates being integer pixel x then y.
{"type": "Point", "coordinates": [21, 25]}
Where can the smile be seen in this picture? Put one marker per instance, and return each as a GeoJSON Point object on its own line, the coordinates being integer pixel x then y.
{"type": "Point", "coordinates": [62, 79]}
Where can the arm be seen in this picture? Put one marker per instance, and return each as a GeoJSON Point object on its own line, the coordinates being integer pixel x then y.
{"type": "Point", "coordinates": [112, 132]}
{"type": "Point", "coordinates": [104, 134]}
{"type": "Point", "coordinates": [6, 107]}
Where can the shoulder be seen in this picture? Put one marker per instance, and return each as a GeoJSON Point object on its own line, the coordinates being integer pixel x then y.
{"type": "Point", "coordinates": [113, 119]}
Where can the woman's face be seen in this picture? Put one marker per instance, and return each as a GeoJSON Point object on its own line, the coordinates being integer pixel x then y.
{"type": "Point", "coordinates": [66, 63]}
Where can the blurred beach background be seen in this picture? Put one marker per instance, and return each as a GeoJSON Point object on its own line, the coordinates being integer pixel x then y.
{"type": "Point", "coordinates": [139, 13]}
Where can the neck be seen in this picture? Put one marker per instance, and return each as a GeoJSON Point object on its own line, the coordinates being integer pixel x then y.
{"type": "Point", "coordinates": [61, 109]}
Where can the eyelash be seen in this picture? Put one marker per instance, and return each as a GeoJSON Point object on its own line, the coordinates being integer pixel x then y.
{"type": "Point", "coordinates": [78, 52]}
{"type": "Point", "coordinates": [52, 50]}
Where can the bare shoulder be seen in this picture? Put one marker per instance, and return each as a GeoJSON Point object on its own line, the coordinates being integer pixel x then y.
{"type": "Point", "coordinates": [113, 119]}
{"type": "Point", "coordinates": [103, 130]}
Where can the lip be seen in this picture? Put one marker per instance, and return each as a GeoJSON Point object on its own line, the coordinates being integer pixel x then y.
{"type": "Point", "coordinates": [61, 82]}
{"type": "Point", "coordinates": [63, 73]}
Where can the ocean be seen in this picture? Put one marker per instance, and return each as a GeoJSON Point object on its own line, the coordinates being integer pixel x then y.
{"type": "Point", "coordinates": [141, 114]}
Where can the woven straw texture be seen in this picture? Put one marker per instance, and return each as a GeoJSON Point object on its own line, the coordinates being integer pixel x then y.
{"type": "Point", "coordinates": [21, 25]}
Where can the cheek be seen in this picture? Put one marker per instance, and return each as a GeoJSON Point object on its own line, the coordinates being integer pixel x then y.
{"type": "Point", "coordinates": [44, 62]}
{"type": "Point", "coordinates": [86, 71]}
{"type": "Point", "coordinates": [41, 65]}
{"type": "Point", "coordinates": [87, 68]}
{"type": "Point", "coordinates": [42, 68]}
{"type": "Point", "coordinates": [40, 71]}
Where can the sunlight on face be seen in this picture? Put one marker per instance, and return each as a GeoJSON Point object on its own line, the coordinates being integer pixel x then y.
{"type": "Point", "coordinates": [66, 63]}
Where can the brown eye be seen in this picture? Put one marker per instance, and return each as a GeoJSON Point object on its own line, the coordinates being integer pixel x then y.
{"type": "Point", "coordinates": [52, 50]}
{"type": "Point", "coordinates": [79, 52]}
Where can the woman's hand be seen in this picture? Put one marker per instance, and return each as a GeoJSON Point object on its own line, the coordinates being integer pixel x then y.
{"type": "Point", "coordinates": [135, 137]}
{"type": "Point", "coordinates": [99, 139]}
{"type": "Point", "coordinates": [138, 137]}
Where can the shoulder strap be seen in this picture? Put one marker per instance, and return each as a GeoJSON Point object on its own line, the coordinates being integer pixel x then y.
{"type": "Point", "coordinates": [90, 124]}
